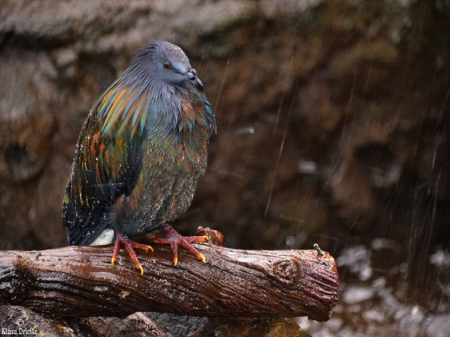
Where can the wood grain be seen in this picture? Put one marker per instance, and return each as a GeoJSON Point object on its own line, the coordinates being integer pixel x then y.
{"type": "Point", "coordinates": [80, 281]}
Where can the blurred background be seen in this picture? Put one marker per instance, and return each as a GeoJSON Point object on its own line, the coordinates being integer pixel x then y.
{"type": "Point", "coordinates": [333, 128]}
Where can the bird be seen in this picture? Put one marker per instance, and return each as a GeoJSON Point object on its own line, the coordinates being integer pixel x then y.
{"type": "Point", "coordinates": [139, 155]}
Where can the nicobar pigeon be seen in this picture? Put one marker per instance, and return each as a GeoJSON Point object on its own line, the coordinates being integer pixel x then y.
{"type": "Point", "coordinates": [140, 154]}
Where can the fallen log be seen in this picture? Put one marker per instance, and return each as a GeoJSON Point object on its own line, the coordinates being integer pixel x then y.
{"type": "Point", "coordinates": [80, 281]}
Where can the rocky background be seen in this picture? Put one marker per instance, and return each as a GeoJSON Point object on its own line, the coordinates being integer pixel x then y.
{"type": "Point", "coordinates": [333, 127]}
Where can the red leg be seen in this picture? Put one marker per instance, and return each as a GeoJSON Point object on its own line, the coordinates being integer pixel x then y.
{"type": "Point", "coordinates": [129, 245]}
{"type": "Point", "coordinates": [174, 239]}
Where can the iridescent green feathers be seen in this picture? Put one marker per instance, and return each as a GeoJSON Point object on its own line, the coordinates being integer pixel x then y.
{"type": "Point", "coordinates": [108, 161]}
{"type": "Point", "coordinates": [125, 107]}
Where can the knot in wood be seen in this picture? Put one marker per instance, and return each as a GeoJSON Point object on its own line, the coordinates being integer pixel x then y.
{"type": "Point", "coordinates": [285, 271]}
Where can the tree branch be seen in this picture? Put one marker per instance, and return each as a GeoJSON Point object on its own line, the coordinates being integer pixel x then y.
{"type": "Point", "coordinates": [80, 281]}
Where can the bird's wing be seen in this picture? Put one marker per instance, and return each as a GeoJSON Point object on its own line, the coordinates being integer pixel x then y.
{"type": "Point", "coordinates": [108, 161]}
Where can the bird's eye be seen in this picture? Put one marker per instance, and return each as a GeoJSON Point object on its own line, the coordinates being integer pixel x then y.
{"type": "Point", "coordinates": [167, 65]}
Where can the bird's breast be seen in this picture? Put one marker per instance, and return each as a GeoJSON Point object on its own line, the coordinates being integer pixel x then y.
{"type": "Point", "coordinates": [173, 160]}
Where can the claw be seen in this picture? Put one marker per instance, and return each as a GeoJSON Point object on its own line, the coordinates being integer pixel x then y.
{"type": "Point", "coordinates": [174, 239]}
{"type": "Point", "coordinates": [129, 245]}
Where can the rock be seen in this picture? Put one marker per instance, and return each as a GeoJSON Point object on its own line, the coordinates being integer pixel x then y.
{"type": "Point", "coordinates": [136, 324]}
{"type": "Point", "coordinates": [306, 97]}
{"type": "Point", "coordinates": [15, 320]}
{"type": "Point", "coordinates": [227, 327]}
{"type": "Point", "coordinates": [27, 120]}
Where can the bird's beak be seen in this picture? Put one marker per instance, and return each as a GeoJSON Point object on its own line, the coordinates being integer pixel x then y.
{"type": "Point", "coordinates": [191, 75]}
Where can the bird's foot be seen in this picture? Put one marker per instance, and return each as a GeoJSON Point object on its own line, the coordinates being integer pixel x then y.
{"type": "Point", "coordinates": [129, 245]}
{"type": "Point", "coordinates": [174, 239]}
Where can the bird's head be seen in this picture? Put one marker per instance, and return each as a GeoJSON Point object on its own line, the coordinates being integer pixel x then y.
{"type": "Point", "coordinates": [164, 63]}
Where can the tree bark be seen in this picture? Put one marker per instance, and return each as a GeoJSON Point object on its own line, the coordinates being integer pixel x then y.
{"type": "Point", "coordinates": [80, 281]}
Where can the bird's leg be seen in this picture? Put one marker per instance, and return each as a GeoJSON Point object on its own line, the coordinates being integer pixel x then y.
{"type": "Point", "coordinates": [174, 239]}
{"type": "Point", "coordinates": [129, 245]}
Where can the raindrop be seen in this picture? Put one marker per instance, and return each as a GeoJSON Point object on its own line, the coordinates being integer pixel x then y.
{"type": "Point", "coordinates": [248, 130]}
{"type": "Point", "coordinates": [307, 167]}
{"type": "Point", "coordinates": [379, 283]}
{"type": "Point", "coordinates": [290, 240]}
